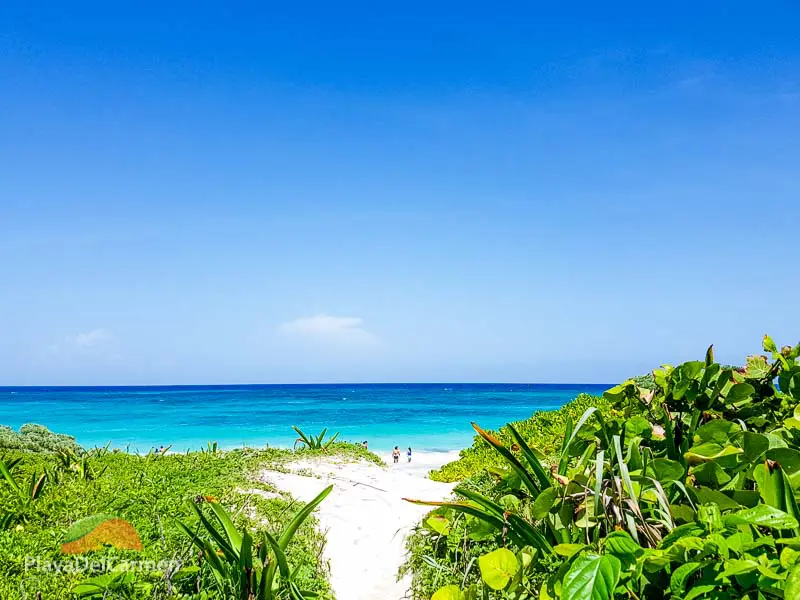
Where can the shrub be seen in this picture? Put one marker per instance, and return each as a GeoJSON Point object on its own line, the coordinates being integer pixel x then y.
{"type": "Point", "coordinates": [544, 431]}
{"type": "Point", "coordinates": [35, 438]}
{"type": "Point", "coordinates": [688, 490]}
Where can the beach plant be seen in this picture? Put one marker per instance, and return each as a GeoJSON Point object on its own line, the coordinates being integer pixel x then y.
{"type": "Point", "coordinates": [211, 448]}
{"type": "Point", "coordinates": [242, 567]}
{"type": "Point", "coordinates": [543, 432]}
{"type": "Point", "coordinates": [152, 494]}
{"type": "Point", "coordinates": [688, 490]}
{"type": "Point", "coordinates": [23, 492]}
{"type": "Point", "coordinates": [35, 438]}
{"type": "Point", "coordinates": [314, 442]}
{"type": "Point", "coordinates": [77, 462]}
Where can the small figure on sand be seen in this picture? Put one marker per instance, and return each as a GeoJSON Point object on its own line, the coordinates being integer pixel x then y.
{"type": "Point", "coordinates": [396, 455]}
{"type": "Point", "coordinates": [409, 454]}
{"type": "Point", "coordinates": [364, 445]}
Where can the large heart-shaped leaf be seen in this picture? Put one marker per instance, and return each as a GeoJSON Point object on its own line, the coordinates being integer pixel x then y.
{"type": "Point", "coordinates": [591, 577]}
{"type": "Point", "coordinates": [718, 431]}
{"type": "Point", "coordinates": [740, 391]}
{"type": "Point", "coordinates": [448, 592]}
{"type": "Point", "coordinates": [440, 524]}
{"type": "Point", "coordinates": [665, 470]}
{"type": "Point", "coordinates": [498, 567]}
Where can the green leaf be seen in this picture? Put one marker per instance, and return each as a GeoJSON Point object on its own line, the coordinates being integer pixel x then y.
{"type": "Point", "coordinates": [621, 545]}
{"type": "Point", "coordinates": [479, 530]}
{"type": "Point", "coordinates": [448, 592]}
{"type": "Point", "coordinates": [776, 490]}
{"type": "Point", "coordinates": [769, 345]}
{"type": "Point", "coordinates": [710, 474]}
{"type": "Point", "coordinates": [677, 583]}
{"type": "Point", "coordinates": [512, 460]}
{"type": "Point", "coordinates": [498, 567]}
{"type": "Point", "coordinates": [719, 431]}
{"type": "Point", "coordinates": [665, 470]}
{"type": "Point", "coordinates": [707, 495]}
{"type": "Point", "coordinates": [562, 464]}
{"type": "Point", "coordinates": [710, 356]}
{"type": "Point", "coordinates": [710, 517]}
{"type": "Point", "coordinates": [692, 368]}
{"type": "Point", "coordinates": [280, 556]}
{"type": "Point", "coordinates": [740, 391]}
{"type": "Point", "coordinates": [6, 473]}
{"type": "Point", "coordinates": [791, 591]}
{"type": "Point", "coordinates": [698, 590]}
{"type": "Point", "coordinates": [754, 445]}
{"type": "Point", "coordinates": [789, 557]}
{"type": "Point", "coordinates": [439, 524]}
{"type": "Point", "coordinates": [591, 577]}
{"type": "Point", "coordinates": [737, 567]}
{"type": "Point", "coordinates": [762, 515]}
{"type": "Point", "coordinates": [637, 426]}
{"type": "Point", "coordinates": [682, 531]}
{"type": "Point", "coordinates": [756, 367]}
{"type": "Point", "coordinates": [544, 502]}
{"type": "Point", "coordinates": [789, 460]}
{"type": "Point", "coordinates": [567, 550]}
{"type": "Point", "coordinates": [301, 516]}
{"type": "Point", "coordinates": [712, 451]}
{"type": "Point", "coordinates": [533, 461]}
{"type": "Point", "coordinates": [234, 538]}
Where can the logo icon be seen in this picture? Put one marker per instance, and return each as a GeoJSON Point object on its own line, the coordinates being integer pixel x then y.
{"type": "Point", "coordinates": [98, 531]}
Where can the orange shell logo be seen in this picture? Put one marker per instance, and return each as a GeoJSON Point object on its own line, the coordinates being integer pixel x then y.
{"type": "Point", "coordinates": [97, 531]}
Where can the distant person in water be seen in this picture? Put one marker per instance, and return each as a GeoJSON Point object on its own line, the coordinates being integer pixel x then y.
{"type": "Point", "coordinates": [409, 454]}
{"type": "Point", "coordinates": [396, 454]}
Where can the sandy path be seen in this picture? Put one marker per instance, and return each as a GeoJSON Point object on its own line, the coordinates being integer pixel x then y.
{"type": "Point", "coordinates": [365, 518]}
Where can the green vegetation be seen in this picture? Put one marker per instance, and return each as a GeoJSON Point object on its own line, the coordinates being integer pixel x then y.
{"type": "Point", "coordinates": [314, 442]}
{"type": "Point", "coordinates": [35, 438]}
{"type": "Point", "coordinates": [688, 490]}
{"type": "Point", "coordinates": [241, 568]}
{"type": "Point", "coordinates": [171, 500]}
{"type": "Point", "coordinates": [543, 431]}
{"type": "Point", "coordinates": [344, 451]}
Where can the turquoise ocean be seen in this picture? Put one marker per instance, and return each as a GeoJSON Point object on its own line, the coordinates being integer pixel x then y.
{"type": "Point", "coordinates": [428, 417]}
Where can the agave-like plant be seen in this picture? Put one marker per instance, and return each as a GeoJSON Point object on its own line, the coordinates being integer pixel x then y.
{"type": "Point", "coordinates": [314, 442]}
{"type": "Point", "coordinates": [26, 492]}
{"type": "Point", "coordinates": [78, 463]}
{"type": "Point", "coordinates": [243, 568]}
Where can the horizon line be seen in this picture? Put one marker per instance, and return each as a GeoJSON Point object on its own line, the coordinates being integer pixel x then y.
{"type": "Point", "coordinates": [363, 383]}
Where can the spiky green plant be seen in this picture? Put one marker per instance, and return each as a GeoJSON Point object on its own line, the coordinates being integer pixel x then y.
{"type": "Point", "coordinates": [242, 567]}
{"type": "Point", "coordinates": [314, 442]}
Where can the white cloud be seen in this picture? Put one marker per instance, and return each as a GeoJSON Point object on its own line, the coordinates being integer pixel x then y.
{"type": "Point", "coordinates": [344, 331]}
{"type": "Point", "coordinates": [87, 342]}
{"type": "Point", "coordinates": [91, 338]}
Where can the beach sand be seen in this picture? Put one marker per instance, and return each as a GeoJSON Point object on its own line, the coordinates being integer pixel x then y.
{"type": "Point", "coordinates": [364, 518]}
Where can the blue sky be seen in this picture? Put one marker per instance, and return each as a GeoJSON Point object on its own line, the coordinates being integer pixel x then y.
{"type": "Point", "coordinates": [357, 192]}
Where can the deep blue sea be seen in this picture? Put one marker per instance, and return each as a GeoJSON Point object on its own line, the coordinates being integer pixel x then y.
{"type": "Point", "coordinates": [425, 416]}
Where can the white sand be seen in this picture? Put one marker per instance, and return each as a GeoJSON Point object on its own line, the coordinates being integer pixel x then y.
{"type": "Point", "coordinates": [364, 517]}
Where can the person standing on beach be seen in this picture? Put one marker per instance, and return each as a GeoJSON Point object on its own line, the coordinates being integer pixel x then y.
{"type": "Point", "coordinates": [396, 455]}
{"type": "Point", "coordinates": [409, 454]}
{"type": "Point", "coordinates": [364, 445]}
